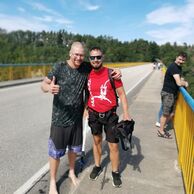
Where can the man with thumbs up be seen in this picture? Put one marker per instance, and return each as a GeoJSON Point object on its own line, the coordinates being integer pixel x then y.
{"type": "Point", "coordinates": [66, 82]}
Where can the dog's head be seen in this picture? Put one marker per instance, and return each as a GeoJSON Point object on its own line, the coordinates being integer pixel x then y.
{"type": "Point", "coordinates": [124, 128]}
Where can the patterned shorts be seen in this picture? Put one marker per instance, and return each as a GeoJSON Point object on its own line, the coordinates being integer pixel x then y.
{"type": "Point", "coordinates": [168, 102]}
{"type": "Point", "coordinates": [62, 138]}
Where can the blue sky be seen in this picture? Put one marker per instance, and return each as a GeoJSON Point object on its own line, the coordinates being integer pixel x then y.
{"type": "Point", "coordinates": [153, 20]}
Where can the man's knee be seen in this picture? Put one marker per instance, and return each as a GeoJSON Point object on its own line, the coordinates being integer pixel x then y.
{"type": "Point", "coordinates": [165, 115]}
{"type": "Point", "coordinates": [113, 147]}
{"type": "Point", "coordinates": [97, 139]}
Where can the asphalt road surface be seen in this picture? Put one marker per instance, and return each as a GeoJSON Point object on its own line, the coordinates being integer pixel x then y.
{"type": "Point", "coordinates": [25, 116]}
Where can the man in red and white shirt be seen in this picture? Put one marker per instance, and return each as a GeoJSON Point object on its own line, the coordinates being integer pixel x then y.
{"type": "Point", "coordinates": [102, 105]}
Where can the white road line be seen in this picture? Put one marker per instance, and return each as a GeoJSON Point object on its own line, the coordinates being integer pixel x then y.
{"type": "Point", "coordinates": [31, 182]}
{"type": "Point", "coordinates": [137, 83]}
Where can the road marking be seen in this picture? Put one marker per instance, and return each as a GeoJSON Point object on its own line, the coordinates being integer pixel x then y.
{"type": "Point", "coordinates": [33, 180]}
{"type": "Point", "coordinates": [137, 83]}
{"type": "Point", "coordinates": [176, 166]}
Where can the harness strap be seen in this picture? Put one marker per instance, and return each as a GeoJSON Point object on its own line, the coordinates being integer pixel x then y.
{"type": "Point", "coordinates": [103, 116]}
{"type": "Point", "coordinates": [102, 113]}
{"type": "Point", "coordinates": [113, 85]}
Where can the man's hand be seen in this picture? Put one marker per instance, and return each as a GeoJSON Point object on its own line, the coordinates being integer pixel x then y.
{"type": "Point", "coordinates": [54, 89]}
{"type": "Point", "coordinates": [184, 83]}
{"type": "Point", "coordinates": [116, 74]}
{"type": "Point", "coordinates": [126, 116]}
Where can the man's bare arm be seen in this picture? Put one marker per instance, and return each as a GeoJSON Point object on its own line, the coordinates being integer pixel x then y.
{"type": "Point", "coordinates": [124, 102]}
{"type": "Point", "coordinates": [179, 81]}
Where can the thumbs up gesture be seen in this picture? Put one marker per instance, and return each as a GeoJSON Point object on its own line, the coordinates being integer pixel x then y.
{"type": "Point", "coordinates": [54, 88]}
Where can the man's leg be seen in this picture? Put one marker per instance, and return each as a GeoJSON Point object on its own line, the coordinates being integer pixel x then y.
{"type": "Point", "coordinates": [97, 149]}
{"type": "Point", "coordinates": [114, 156]}
{"type": "Point", "coordinates": [160, 113]}
{"type": "Point", "coordinates": [72, 176]}
{"type": "Point", "coordinates": [163, 120]}
{"type": "Point", "coordinates": [97, 152]}
{"type": "Point", "coordinates": [170, 117]}
{"type": "Point", "coordinates": [54, 164]}
{"type": "Point", "coordinates": [162, 132]}
{"type": "Point", "coordinates": [168, 104]}
{"type": "Point", "coordinates": [159, 116]}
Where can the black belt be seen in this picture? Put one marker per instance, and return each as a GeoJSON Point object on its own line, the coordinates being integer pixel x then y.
{"type": "Point", "coordinates": [102, 114]}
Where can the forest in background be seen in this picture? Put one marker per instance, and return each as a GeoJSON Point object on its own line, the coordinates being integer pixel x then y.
{"type": "Point", "coordinates": [51, 47]}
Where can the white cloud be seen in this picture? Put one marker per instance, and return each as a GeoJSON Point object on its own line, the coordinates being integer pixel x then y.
{"type": "Point", "coordinates": [21, 9]}
{"type": "Point", "coordinates": [47, 18]}
{"type": "Point", "coordinates": [41, 7]}
{"type": "Point", "coordinates": [88, 6]}
{"type": "Point", "coordinates": [171, 14]}
{"type": "Point", "coordinates": [176, 23]}
{"type": "Point", "coordinates": [63, 21]}
{"type": "Point", "coordinates": [188, 12]}
{"type": "Point", "coordinates": [53, 19]}
{"type": "Point", "coordinates": [190, 1]}
{"type": "Point", "coordinates": [92, 7]}
{"type": "Point", "coordinates": [12, 23]}
{"type": "Point", "coordinates": [178, 34]}
{"type": "Point", "coordinates": [163, 15]}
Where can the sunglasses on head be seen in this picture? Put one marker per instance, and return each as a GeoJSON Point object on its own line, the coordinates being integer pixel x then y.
{"type": "Point", "coordinates": [97, 57]}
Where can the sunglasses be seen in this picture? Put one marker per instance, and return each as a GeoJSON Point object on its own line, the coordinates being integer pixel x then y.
{"type": "Point", "coordinates": [97, 57]}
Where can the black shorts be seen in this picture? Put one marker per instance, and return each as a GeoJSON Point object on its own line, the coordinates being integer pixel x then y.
{"type": "Point", "coordinates": [97, 123]}
{"type": "Point", "coordinates": [62, 138]}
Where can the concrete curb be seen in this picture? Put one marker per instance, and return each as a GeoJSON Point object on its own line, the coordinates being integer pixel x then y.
{"type": "Point", "coordinates": [12, 83]}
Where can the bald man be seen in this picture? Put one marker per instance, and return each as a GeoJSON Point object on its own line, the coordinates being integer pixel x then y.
{"type": "Point", "coordinates": [66, 81]}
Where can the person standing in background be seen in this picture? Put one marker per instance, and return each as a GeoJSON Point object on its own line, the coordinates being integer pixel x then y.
{"type": "Point", "coordinates": [172, 82]}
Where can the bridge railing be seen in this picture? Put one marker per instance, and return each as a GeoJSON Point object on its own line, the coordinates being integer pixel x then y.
{"type": "Point", "coordinates": [184, 130]}
{"type": "Point", "coordinates": [22, 71]}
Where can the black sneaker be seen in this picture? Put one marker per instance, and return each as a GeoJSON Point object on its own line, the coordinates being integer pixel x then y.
{"type": "Point", "coordinates": [95, 173]}
{"type": "Point", "coordinates": [116, 177]}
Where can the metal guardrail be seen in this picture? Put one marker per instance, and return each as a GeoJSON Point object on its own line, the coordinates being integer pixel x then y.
{"type": "Point", "coordinates": [184, 130]}
{"type": "Point", "coordinates": [23, 71]}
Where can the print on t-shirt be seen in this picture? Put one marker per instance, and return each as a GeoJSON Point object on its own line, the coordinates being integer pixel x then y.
{"type": "Point", "coordinates": [102, 92]}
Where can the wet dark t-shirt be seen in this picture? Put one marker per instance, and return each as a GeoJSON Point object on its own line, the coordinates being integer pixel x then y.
{"type": "Point", "coordinates": [68, 104]}
{"type": "Point", "coordinates": [169, 81]}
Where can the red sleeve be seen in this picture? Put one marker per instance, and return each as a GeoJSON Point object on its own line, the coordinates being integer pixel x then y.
{"type": "Point", "coordinates": [118, 83]}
